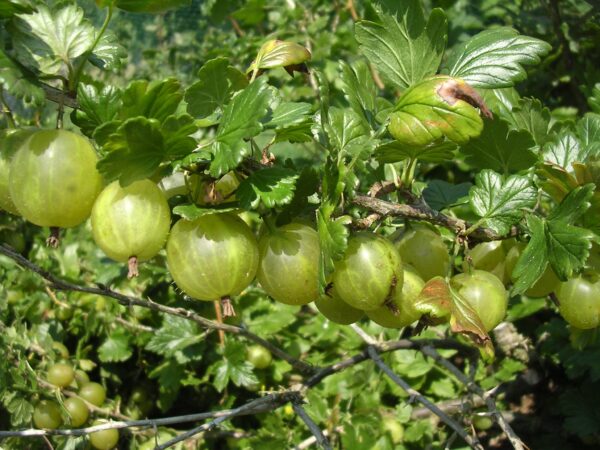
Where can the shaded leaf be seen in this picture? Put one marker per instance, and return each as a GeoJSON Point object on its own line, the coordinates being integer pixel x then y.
{"type": "Point", "coordinates": [154, 100]}
{"type": "Point", "coordinates": [116, 347]}
{"type": "Point", "coordinates": [440, 194]}
{"type": "Point", "coordinates": [96, 106]}
{"type": "Point", "coordinates": [17, 84]}
{"type": "Point", "coordinates": [217, 82]}
{"type": "Point", "coordinates": [134, 152]}
{"type": "Point", "coordinates": [501, 149]}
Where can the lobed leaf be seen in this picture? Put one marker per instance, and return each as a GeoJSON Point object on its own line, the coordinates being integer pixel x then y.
{"type": "Point", "coordinates": [217, 82]}
{"type": "Point", "coordinates": [501, 149]}
{"type": "Point", "coordinates": [401, 45]}
{"type": "Point", "coordinates": [241, 120]}
{"type": "Point", "coordinates": [495, 58]}
{"type": "Point", "coordinates": [500, 202]}
{"type": "Point", "coordinates": [272, 187]}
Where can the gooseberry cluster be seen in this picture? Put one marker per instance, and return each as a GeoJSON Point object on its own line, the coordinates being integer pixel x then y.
{"type": "Point", "coordinates": [51, 180]}
{"type": "Point", "coordinates": [74, 410]}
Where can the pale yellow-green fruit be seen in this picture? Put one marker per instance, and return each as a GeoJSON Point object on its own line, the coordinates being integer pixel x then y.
{"type": "Point", "coordinates": [53, 179]}
{"type": "Point", "coordinates": [131, 221]}
{"type": "Point", "coordinates": [579, 300]}
{"type": "Point", "coordinates": [402, 302]}
{"type": "Point", "coordinates": [212, 257]}
{"type": "Point", "coordinates": [369, 271]}
{"type": "Point", "coordinates": [289, 261]}
{"type": "Point", "coordinates": [485, 293]}
{"type": "Point", "coordinates": [425, 250]}
{"type": "Point", "coordinates": [337, 310]}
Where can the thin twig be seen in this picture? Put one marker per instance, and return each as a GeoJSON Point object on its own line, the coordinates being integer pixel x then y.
{"type": "Point", "coordinates": [516, 442]}
{"type": "Point", "coordinates": [263, 404]}
{"type": "Point", "coordinates": [473, 443]}
{"type": "Point", "coordinates": [126, 300]}
{"type": "Point", "coordinates": [312, 426]}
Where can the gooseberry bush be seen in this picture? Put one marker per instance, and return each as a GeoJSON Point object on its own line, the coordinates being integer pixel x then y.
{"type": "Point", "coordinates": [285, 223]}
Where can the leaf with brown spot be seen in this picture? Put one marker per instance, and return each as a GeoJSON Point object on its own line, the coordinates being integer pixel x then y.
{"type": "Point", "coordinates": [439, 300]}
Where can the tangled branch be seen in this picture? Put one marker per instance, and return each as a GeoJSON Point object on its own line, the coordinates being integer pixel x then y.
{"type": "Point", "coordinates": [274, 400]}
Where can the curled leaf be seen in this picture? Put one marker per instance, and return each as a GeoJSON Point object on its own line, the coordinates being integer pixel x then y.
{"type": "Point", "coordinates": [438, 300]}
{"type": "Point", "coordinates": [275, 53]}
{"type": "Point", "coordinates": [435, 108]}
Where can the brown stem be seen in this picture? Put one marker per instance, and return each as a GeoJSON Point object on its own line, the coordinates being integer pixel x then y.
{"type": "Point", "coordinates": [420, 211]}
{"type": "Point", "coordinates": [54, 238]}
{"type": "Point", "coordinates": [132, 266]}
{"type": "Point", "coordinates": [220, 321]}
{"type": "Point", "coordinates": [227, 306]}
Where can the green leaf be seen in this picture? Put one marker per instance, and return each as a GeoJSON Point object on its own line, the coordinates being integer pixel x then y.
{"type": "Point", "coordinates": [403, 48]}
{"type": "Point", "coordinates": [495, 58]}
{"type": "Point", "coordinates": [532, 116]}
{"type": "Point", "coordinates": [192, 212]}
{"type": "Point", "coordinates": [573, 205]}
{"type": "Point", "coordinates": [175, 335]}
{"type": "Point", "coordinates": [233, 366]}
{"type": "Point", "coordinates": [272, 319]}
{"type": "Point", "coordinates": [96, 106]}
{"type": "Point", "coordinates": [49, 40]}
{"type": "Point", "coordinates": [241, 120]}
{"type": "Point", "coordinates": [17, 84]}
{"type": "Point", "coordinates": [345, 128]}
{"type": "Point", "coordinates": [394, 151]}
{"type": "Point", "coordinates": [217, 82]}
{"type": "Point", "coordinates": [588, 131]}
{"type": "Point", "coordinates": [176, 131]}
{"type": "Point", "coordinates": [500, 202]}
{"type": "Point", "coordinates": [333, 240]}
{"type": "Point", "coordinates": [134, 152]}
{"type": "Point", "coordinates": [273, 187]}
{"type": "Point", "coordinates": [440, 194]}
{"type": "Point", "coordinates": [359, 87]}
{"type": "Point", "coordinates": [568, 248]}
{"type": "Point", "coordinates": [563, 151]}
{"type": "Point", "coordinates": [289, 113]}
{"type": "Point", "coordinates": [500, 149]}
{"type": "Point", "coordinates": [11, 7]}
{"type": "Point", "coordinates": [306, 185]}
{"type": "Point", "coordinates": [153, 100]}
{"type": "Point", "coordinates": [434, 109]}
{"type": "Point", "coordinates": [116, 347]}
{"type": "Point", "coordinates": [169, 376]}
{"type": "Point", "coordinates": [20, 411]}
{"type": "Point", "coordinates": [108, 53]}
